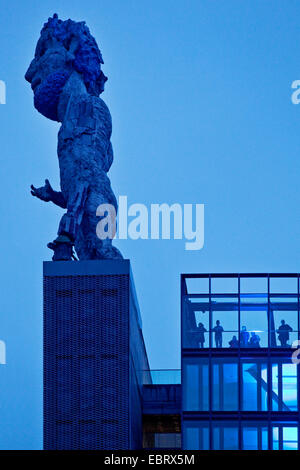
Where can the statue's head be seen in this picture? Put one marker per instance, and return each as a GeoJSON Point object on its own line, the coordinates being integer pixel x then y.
{"type": "Point", "coordinates": [64, 47]}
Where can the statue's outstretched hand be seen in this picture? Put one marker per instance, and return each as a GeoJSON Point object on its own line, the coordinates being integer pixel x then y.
{"type": "Point", "coordinates": [44, 193]}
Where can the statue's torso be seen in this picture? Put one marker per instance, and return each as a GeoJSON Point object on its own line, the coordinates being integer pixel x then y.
{"type": "Point", "coordinates": [84, 149]}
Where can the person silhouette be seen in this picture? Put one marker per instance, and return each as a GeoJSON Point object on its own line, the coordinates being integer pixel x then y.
{"type": "Point", "coordinates": [234, 342]}
{"type": "Point", "coordinates": [201, 335]}
{"type": "Point", "coordinates": [284, 333]}
{"type": "Point", "coordinates": [254, 340]}
{"type": "Point", "coordinates": [244, 337]}
{"type": "Point", "coordinates": [218, 330]}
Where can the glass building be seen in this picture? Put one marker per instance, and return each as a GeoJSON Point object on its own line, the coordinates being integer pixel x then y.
{"type": "Point", "coordinates": [238, 387]}
{"type": "Point", "coordinates": [239, 382]}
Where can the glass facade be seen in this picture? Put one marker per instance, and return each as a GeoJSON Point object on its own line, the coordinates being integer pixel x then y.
{"type": "Point", "coordinates": [239, 384]}
{"type": "Point", "coordinates": [235, 435]}
{"type": "Point", "coordinates": [233, 384]}
{"type": "Point", "coordinates": [243, 318]}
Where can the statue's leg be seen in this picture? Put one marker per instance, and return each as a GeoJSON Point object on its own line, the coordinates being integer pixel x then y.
{"type": "Point", "coordinates": [87, 243]}
{"type": "Point", "coordinates": [92, 248]}
{"type": "Point", "coordinates": [76, 205]}
{"type": "Point", "coordinates": [68, 227]}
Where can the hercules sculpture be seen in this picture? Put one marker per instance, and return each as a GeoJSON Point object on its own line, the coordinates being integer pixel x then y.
{"type": "Point", "coordinates": [66, 79]}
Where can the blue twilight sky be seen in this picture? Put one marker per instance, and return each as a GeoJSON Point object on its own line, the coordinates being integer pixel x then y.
{"type": "Point", "coordinates": [200, 95]}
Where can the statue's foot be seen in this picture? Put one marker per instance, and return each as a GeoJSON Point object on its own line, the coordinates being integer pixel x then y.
{"type": "Point", "coordinates": [63, 248]}
{"type": "Point", "coordinates": [95, 249]}
{"type": "Point", "coordinates": [111, 253]}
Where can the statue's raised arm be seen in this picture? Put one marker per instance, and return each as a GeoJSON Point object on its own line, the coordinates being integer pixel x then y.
{"type": "Point", "coordinates": [66, 79]}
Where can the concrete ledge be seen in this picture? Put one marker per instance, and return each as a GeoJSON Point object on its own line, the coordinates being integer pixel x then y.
{"type": "Point", "coordinates": [86, 268]}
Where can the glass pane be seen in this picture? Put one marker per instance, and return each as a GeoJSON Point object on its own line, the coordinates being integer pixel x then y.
{"type": "Point", "coordinates": [250, 439]}
{"type": "Point", "coordinates": [217, 438]}
{"type": "Point", "coordinates": [255, 436]}
{"type": "Point", "coordinates": [225, 322]}
{"type": "Point", "coordinates": [164, 376]}
{"type": "Point", "coordinates": [284, 387]}
{"type": "Point", "coordinates": [225, 386]}
{"type": "Point", "coordinates": [192, 439]}
{"type": "Point", "coordinates": [275, 398]}
{"type": "Point", "coordinates": [225, 437]}
{"type": "Point", "coordinates": [254, 285]}
{"type": "Point", "coordinates": [254, 389]}
{"type": "Point", "coordinates": [286, 326]}
{"type": "Point", "coordinates": [285, 436]}
{"type": "Point", "coordinates": [195, 322]}
{"type": "Point", "coordinates": [283, 285]}
{"type": "Point", "coordinates": [224, 285]}
{"type": "Point", "coordinates": [264, 439]}
{"type": "Point", "coordinates": [290, 438]}
{"type": "Point", "coordinates": [275, 438]}
{"type": "Point", "coordinates": [195, 387]}
{"type": "Point", "coordinates": [201, 309]}
{"type": "Point", "coordinates": [249, 388]}
{"type": "Point", "coordinates": [231, 438]}
{"type": "Point", "coordinates": [254, 322]}
{"type": "Point", "coordinates": [196, 436]}
{"type": "Point", "coordinates": [289, 385]}
{"type": "Point", "coordinates": [197, 285]}
{"type": "Point", "coordinates": [263, 394]}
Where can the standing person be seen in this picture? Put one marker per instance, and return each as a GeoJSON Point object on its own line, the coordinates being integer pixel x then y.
{"type": "Point", "coordinates": [244, 337]}
{"type": "Point", "coordinates": [218, 330]}
{"type": "Point", "coordinates": [284, 333]}
{"type": "Point", "coordinates": [201, 335]}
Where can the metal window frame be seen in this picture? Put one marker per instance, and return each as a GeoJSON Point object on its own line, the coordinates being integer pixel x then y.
{"type": "Point", "coordinates": [269, 417]}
